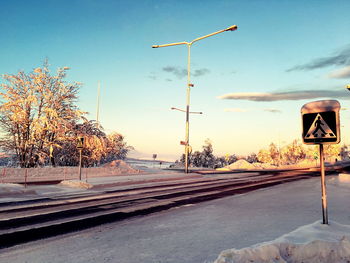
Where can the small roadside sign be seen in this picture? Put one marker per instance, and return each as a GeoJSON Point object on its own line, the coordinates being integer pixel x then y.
{"type": "Point", "coordinates": [80, 142]}
{"type": "Point", "coordinates": [320, 120]}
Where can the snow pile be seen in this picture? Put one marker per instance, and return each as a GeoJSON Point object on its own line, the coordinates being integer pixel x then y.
{"type": "Point", "coordinates": [7, 189]}
{"type": "Point", "coordinates": [240, 165]}
{"type": "Point", "coordinates": [311, 243]}
{"type": "Point", "coordinates": [123, 166]}
{"type": "Point", "coordinates": [344, 178]}
{"type": "Point", "coordinates": [75, 184]}
{"type": "Point", "coordinates": [307, 163]}
{"type": "Point", "coordinates": [244, 165]}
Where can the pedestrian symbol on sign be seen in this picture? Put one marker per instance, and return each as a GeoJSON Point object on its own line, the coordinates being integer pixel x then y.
{"type": "Point", "coordinates": [319, 128]}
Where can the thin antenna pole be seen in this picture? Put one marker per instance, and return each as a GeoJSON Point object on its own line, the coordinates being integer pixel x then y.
{"type": "Point", "coordinates": [98, 104]}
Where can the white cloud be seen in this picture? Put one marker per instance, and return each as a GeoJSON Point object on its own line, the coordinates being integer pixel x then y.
{"type": "Point", "coordinates": [289, 95]}
{"type": "Point", "coordinates": [272, 110]}
{"type": "Point", "coordinates": [342, 73]}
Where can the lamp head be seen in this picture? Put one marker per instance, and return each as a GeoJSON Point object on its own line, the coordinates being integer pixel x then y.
{"type": "Point", "coordinates": [231, 28]}
{"type": "Point", "coordinates": [348, 86]}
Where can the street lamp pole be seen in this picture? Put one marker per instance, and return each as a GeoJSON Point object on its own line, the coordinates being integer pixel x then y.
{"type": "Point", "coordinates": [189, 85]}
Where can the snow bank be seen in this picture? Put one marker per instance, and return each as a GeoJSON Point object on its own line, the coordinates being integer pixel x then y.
{"type": "Point", "coordinates": [76, 184]}
{"type": "Point", "coordinates": [244, 165]}
{"type": "Point", "coordinates": [344, 178]}
{"type": "Point", "coordinates": [311, 243]}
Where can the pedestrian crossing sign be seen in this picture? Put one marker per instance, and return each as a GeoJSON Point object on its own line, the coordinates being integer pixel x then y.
{"type": "Point", "coordinates": [80, 142]}
{"type": "Point", "coordinates": [320, 121]}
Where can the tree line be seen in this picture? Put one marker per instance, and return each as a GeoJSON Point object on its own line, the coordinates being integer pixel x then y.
{"type": "Point", "coordinates": [40, 122]}
{"type": "Point", "coordinates": [291, 153]}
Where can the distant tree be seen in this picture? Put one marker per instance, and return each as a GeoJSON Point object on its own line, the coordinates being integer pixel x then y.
{"type": "Point", "coordinates": [264, 156]}
{"type": "Point", "coordinates": [344, 152]}
{"type": "Point", "coordinates": [293, 152]}
{"type": "Point", "coordinates": [205, 158]}
{"type": "Point", "coordinates": [196, 159]}
{"type": "Point", "coordinates": [231, 159]}
{"type": "Point", "coordinates": [220, 162]}
{"type": "Point", "coordinates": [207, 154]}
{"type": "Point", "coordinates": [274, 153]}
{"type": "Point", "coordinates": [117, 148]}
{"type": "Point", "coordinates": [252, 158]}
{"type": "Point", "coordinates": [332, 151]}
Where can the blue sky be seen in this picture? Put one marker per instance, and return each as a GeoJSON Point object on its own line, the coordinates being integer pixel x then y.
{"type": "Point", "coordinates": [292, 48]}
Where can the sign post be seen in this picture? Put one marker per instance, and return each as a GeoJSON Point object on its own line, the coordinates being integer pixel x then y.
{"type": "Point", "coordinates": [80, 146]}
{"type": "Point", "coordinates": [320, 120]}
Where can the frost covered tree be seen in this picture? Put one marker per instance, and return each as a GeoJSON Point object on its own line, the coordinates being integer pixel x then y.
{"type": "Point", "coordinates": [196, 159]}
{"type": "Point", "coordinates": [275, 154]}
{"type": "Point", "coordinates": [117, 147]}
{"type": "Point", "coordinates": [98, 148]}
{"type": "Point", "coordinates": [293, 152]}
{"type": "Point", "coordinates": [252, 158]}
{"type": "Point", "coordinates": [37, 111]}
{"type": "Point", "coordinates": [264, 156]}
{"type": "Point", "coordinates": [344, 152]}
{"type": "Point", "coordinates": [207, 154]}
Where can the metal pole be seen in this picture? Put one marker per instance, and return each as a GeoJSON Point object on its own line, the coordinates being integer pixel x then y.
{"type": "Point", "coordinates": [80, 150]}
{"type": "Point", "coordinates": [187, 138]}
{"type": "Point", "coordinates": [98, 105]}
{"type": "Point", "coordinates": [230, 28]}
{"type": "Point", "coordinates": [25, 177]}
{"type": "Point", "coordinates": [323, 187]}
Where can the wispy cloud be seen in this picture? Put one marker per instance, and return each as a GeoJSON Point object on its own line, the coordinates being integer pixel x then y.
{"type": "Point", "coordinates": [235, 110]}
{"type": "Point", "coordinates": [240, 110]}
{"type": "Point", "coordinates": [182, 72]}
{"type": "Point", "coordinates": [290, 95]}
{"type": "Point", "coordinates": [340, 58]}
{"type": "Point", "coordinates": [342, 73]}
{"type": "Point", "coordinates": [273, 110]}
{"type": "Point", "coordinates": [200, 72]}
{"type": "Point", "coordinates": [152, 76]}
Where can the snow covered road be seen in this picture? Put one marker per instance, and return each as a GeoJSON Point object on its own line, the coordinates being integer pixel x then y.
{"type": "Point", "coordinates": [195, 233]}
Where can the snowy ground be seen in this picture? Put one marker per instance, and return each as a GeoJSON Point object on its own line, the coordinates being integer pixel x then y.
{"type": "Point", "coordinates": [16, 192]}
{"type": "Point", "coordinates": [197, 233]}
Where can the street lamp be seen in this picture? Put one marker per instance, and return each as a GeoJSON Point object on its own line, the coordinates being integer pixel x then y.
{"type": "Point", "coordinates": [189, 85]}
